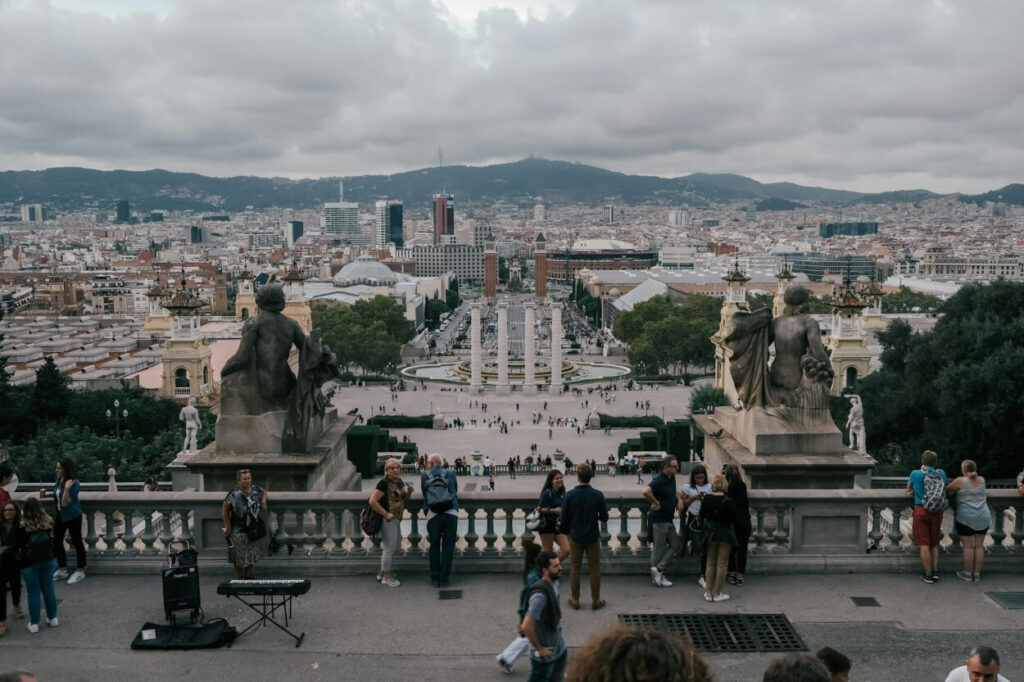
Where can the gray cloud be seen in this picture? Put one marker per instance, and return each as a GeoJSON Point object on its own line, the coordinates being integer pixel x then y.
{"type": "Point", "coordinates": [863, 95]}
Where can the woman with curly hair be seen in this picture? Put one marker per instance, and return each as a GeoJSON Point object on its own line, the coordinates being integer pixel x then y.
{"type": "Point", "coordinates": [626, 654]}
{"type": "Point", "coordinates": [552, 497]}
{"type": "Point", "coordinates": [33, 542]}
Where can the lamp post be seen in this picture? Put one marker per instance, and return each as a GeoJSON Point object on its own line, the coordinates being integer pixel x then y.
{"type": "Point", "coordinates": [117, 416]}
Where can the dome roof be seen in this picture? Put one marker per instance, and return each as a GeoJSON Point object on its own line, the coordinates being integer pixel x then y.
{"type": "Point", "coordinates": [366, 270]}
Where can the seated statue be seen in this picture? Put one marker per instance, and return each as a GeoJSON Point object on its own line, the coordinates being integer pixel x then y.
{"type": "Point", "coordinates": [800, 377]}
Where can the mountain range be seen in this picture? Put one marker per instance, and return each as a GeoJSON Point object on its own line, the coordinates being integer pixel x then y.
{"type": "Point", "coordinates": [521, 183]}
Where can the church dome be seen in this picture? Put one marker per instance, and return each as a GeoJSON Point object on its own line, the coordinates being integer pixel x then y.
{"type": "Point", "coordinates": [366, 270]}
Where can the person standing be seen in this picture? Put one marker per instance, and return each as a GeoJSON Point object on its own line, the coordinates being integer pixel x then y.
{"type": "Point", "coordinates": [665, 502]}
{"type": "Point", "coordinates": [552, 499]}
{"type": "Point", "coordinates": [68, 516]}
{"type": "Point", "coordinates": [10, 572]}
{"type": "Point", "coordinates": [743, 527]}
{"type": "Point", "coordinates": [511, 467]}
{"type": "Point", "coordinates": [718, 512]}
{"type": "Point", "coordinates": [440, 490]}
{"type": "Point", "coordinates": [34, 543]}
{"type": "Point", "coordinates": [972, 518]}
{"type": "Point", "coordinates": [928, 485]}
{"type": "Point", "coordinates": [542, 624]}
{"type": "Point", "coordinates": [584, 509]}
{"type": "Point", "coordinates": [240, 513]}
{"type": "Point", "coordinates": [388, 499]}
{"type": "Point", "coordinates": [693, 492]}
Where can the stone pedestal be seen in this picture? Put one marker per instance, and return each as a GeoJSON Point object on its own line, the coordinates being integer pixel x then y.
{"type": "Point", "coordinates": [325, 467]}
{"type": "Point", "coordinates": [529, 352]}
{"type": "Point", "coordinates": [502, 387]}
{"type": "Point", "coordinates": [772, 454]}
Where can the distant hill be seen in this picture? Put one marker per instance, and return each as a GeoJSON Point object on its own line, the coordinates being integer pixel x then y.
{"type": "Point", "coordinates": [1011, 194]}
{"type": "Point", "coordinates": [777, 204]}
{"type": "Point", "coordinates": [519, 183]}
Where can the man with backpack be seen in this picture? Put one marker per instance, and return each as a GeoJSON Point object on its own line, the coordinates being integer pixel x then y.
{"type": "Point", "coordinates": [928, 485]}
{"type": "Point", "coordinates": [542, 624]}
{"type": "Point", "coordinates": [441, 506]}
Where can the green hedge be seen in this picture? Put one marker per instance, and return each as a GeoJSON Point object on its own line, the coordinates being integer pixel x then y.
{"type": "Point", "coordinates": [402, 421]}
{"type": "Point", "coordinates": [630, 422]}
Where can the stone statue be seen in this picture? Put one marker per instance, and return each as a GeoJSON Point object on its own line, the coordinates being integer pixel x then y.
{"type": "Point", "coordinates": [257, 380]}
{"type": "Point", "coordinates": [855, 425]}
{"type": "Point", "coordinates": [800, 377]}
{"type": "Point", "coordinates": [593, 419]}
{"type": "Point", "coordinates": [190, 415]}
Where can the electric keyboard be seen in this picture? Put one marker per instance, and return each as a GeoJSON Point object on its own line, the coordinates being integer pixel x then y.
{"type": "Point", "coordinates": [290, 587]}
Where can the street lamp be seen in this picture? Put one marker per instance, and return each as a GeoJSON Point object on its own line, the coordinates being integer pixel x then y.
{"type": "Point", "coordinates": [117, 416]}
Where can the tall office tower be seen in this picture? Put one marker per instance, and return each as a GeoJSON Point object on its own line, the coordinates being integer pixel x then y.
{"type": "Point", "coordinates": [196, 234]}
{"type": "Point", "coordinates": [341, 220]}
{"type": "Point", "coordinates": [609, 214]}
{"type": "Point", "coordinates": [33, 213]}
{"type": "Point", "coordinates": [539, 213]}
{"type": "Point", "coordinates": [389, 223]}
{"type": "Point", "coordinates": [540, 266]}
{"type": "Point", "coordinates": [677, 218]}
{"type": "Point", "coordinates": [124, 211]}
{"type": "Point", "coordinates": [751, 214]}
{"type": "Point", "coordinates": [293, 232]}
{"type": "Point", "coordinates": [490, 269]}
{"type": "Point", "coordinates": [444, 218]}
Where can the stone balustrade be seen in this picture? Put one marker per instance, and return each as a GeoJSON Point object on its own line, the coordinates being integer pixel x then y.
{"type": "Point", "coordinates": [793, 531]}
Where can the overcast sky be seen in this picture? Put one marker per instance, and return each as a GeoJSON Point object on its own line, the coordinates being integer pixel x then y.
{"type": "Point", "coordinates": [863, 95]}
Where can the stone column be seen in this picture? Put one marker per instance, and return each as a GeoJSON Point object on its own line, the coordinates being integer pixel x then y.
{"type": "Point", "coordinates": [475, 361]}
{"type": "Point", "coordinates": [530, 380]}
{"type": "Point", "coordinates": [503, 387]}
{"type": "Point", "coordinates": [556, 348]}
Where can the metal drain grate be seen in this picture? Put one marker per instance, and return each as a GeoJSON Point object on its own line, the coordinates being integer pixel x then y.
{"type": "Point", "coordinates": [865, 601]}
{"type": "Point", "coordinates": [727, 632]}
{"type": "Point", "coordinates": [449, 594]}
{"type": "Point", "coordinates": [1008, 600]}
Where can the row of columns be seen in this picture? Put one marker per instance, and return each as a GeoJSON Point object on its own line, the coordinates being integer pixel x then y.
{"type": "Point", "coordinates": [529, 351]}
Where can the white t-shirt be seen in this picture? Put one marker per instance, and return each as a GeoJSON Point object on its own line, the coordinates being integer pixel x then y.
{"type": "Point", "coordinates": [960, 675]}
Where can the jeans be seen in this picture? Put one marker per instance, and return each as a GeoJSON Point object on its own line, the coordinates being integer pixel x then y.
{"type": "Point", "coordinates": [39, 580]}
{"type": "Point", "coordinates": [665, 544]}
{"type": "Point", "coordinates": [74, 529]}
{"type": "Point", "coordinates": [552, 670]}
{"type": "Point", "coordinates": [441, 532]}
{"type": "Point", "coordinates": [516, 648]}
{"type": "Point", "coordinates": [390, 538]}
{"type": "Point", "coordinates": [593, 552]}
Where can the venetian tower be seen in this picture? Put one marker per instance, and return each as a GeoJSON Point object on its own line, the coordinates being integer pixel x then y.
{"type": "Point", "coordinates": [540, 267]}
{"type": "Point", "coordinates": [158, 319]}
{"type": "Point", "coordinates": [245, 299]}
{"type": "Point", "coordinates": [295, 306]}
{"type": "Point", "coordinates": [187, 367]}
{"type": "Point", "coordinates": [848, 351]}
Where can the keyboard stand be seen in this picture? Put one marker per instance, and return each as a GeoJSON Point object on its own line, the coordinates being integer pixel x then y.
{"type": "Point", "coordinates": [267, 606]}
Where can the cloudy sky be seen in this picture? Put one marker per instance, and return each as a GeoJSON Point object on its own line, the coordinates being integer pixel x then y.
{"type": "Point", "coordinates": [865, 95]}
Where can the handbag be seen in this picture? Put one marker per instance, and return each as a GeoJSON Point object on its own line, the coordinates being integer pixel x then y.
{"type": "Point", "coordinates": [370, 521]}
{"type": "Point", "coordinates": [256, 529]}
{"type": "Point", "coordinates": [533, 520]}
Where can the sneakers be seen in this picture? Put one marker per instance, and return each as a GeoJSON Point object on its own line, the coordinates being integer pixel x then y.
{"type": "Point", "coordinates": [505, 667]}
{"type": "Point", "coordinates": [33, 628]}
{"type": "Point", "coordinates": [390, 582]}
{"type": "Point", "coordinates": [656, 576]}
{"type": "Point", "coordinates": [976, 576]}
{"type": "Point", "coordinates": [708, 597]}
{"type": "Point", "coordinates": [702, 583]}
{"type": "Point", "coordinates": [663, 582]}
{"type": "Point", "coordinates": [76, 577]}
{"type": "Point", "coordinates": [574, 603]}
{"type": "Point", "coordinates": [60, 574]}
{"type": "Point", "coordinates": [52, 622]}
{"type": "Point", "coordinates": [721, 597]}
{"type": "Point", "coordinates": [927, 578]}
{"type": "Point", "coordinates": [935, 577]}
{"type": "Point", "coordinates": [599, 604]}
{"type": "Point", "coordinates": [966, 576]}
{"type": "Point", "coordinates": [379, 576]}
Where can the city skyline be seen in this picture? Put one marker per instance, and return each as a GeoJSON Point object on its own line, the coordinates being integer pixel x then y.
{"type": "Point", "coordinates": [860, 96]}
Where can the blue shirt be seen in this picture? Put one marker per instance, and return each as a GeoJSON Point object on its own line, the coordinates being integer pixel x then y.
{"type": "Point", "coordinates": [916, 481]}
{"type": "Point", "coordinates": [74, 507]}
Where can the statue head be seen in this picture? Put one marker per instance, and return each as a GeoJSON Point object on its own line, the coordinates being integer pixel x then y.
{"type": "Point", "coordinates": [271, 298]}
{"type": "Point", "coordinates": [192, 401]}
{"type": "Point", "coordinates": [796, 299]}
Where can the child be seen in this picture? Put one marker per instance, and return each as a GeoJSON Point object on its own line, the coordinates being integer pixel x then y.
{"type": "Point", "coordinates": [521, 644]}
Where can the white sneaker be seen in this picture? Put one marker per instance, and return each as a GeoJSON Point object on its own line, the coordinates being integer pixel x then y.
{"type": "Point", "coordinates": [655, 575]}
{"type": "Point", "coordinates": [60, 574]}
{"type": "Point", "coordinates": [721, 597]}
{"type": "Point", "coordinates": [33, 628]}
{"type": "Point", "coordinates": [664, 581]}
{"type": "Point", "coordinates": [390, 582]}
{"type": "Point", "coordinates": [708, 597]}
{"type": "Point", "coordinates": [52, 622]}
{"type": "Point", "coordinates": [702, 583]}
{"type": "Point", "coordinates": [76, 577]}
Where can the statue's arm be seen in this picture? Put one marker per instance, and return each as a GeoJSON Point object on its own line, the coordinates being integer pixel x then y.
{"type": "Point", "coordinates": [240, 360]}
{"type": "Point", "coordinates": [814, 345]}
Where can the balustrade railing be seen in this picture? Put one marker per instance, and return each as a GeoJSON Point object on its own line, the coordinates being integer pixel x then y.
{"type": "Point", "coordinates": [125, 527]}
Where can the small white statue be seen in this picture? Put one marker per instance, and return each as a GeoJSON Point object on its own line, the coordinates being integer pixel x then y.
{"type": "Point", "coordinates": [855, 425]}
{"type": "Point", "coordinates": [190, 415]}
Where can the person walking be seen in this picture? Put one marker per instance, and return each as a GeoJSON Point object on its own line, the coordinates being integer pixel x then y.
{"type": "Point", "coordinates": [584, 509]}
{"type": "Point", "coordinates": [388, 499]}
{"type": "Point", "coordinates": [552, 499]}
{"type": "Point", "coordinates": [719, 513]}
{"type": "Point", "coordinates": [440, 490]}
{"type": "Point", "coordinates": [10, 572]}
{"type": "Point", "coordinates": [665, 502]}
{"type": "Point", "coordinates": [240, 513]}
{"type": "Point", "coordinates": [34, 544]}
{"type": "Point", "coordinates": [68, 519]}
{"type": "Point", "coordinates": [531, 574]}
{"type": "Point", "coordinates": [972, 519]}
{"type": "Point", "coordinates": [743, 527]}
{"type": "Point", "coordinates": [928, 486]}
{"type": "Point", "coordinates": [542, 624]}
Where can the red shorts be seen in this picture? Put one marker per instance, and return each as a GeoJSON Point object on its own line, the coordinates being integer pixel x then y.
{"type": "Point", "coordinates": [926, 526]}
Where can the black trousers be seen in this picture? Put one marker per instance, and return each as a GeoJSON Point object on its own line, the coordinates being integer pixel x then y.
{"type": "Point", "coordinates": [74, 528]}
{"type": "Point", "coordinates": [10, 578]}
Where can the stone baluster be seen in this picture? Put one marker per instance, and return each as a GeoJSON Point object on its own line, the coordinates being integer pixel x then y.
{"type": "Point", "coordinates": [129, 536]}
{"type": "Point", "coordinates": [357, 537]}
{"type": "Point", "coordinates": [605, 535]}
{"type": "Point", "coordinates": [110, 534]}
{"type": "Point", "coordinates": [91, 539]}
{"type": "Point", "coordinates": [509, 536]}
{"type": "Point", "coordinates": [166, 535]}
{"type": "Point", "coordinates": [337, 532]}
{"type": "Point", "coordinates": [414, 537]}
{"type": "Point", "coordinates": [895, 533]}
{"type": "Point", "coordinates": [875, 534]}
{"type": "Point", "coordinates": [185, 530]}
{"type": "Point", "coordinates": [490, 537]}
{"type": "Point", "coordinates": [1018, 525]}
{"type": "Point", "coordinates": [760, 534]}
{"type": "Point", "coordinates": [471, 535]}
{"type": "Point", "coordinates": [781, 536]}
{"type": "Point", "coordinates": [148, 533]}
{"type": "Point", "coordinates": [623, 535]}
{"type": "Point", "coordinates": [998, 532]}
{"type": "Point", "coordinates": [319, 537]}
{"type": "Point", "coordinates": [954, 541]}
{"type": "Point", "coordinates": [644, 536]}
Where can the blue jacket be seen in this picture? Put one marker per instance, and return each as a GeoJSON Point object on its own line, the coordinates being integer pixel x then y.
{"type": "Point", "coordinates": [449, 476]}
{"type": "Point", "coordinates": [584, 507]}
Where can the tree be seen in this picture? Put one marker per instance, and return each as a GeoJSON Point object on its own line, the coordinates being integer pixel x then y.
{"type": "Point", "coordinates": [432, 312]}
{"type": "Point", "coordinates": [51, 395]}
{"type": "Point", "coordinates": [665, 336]}
{"type": "Point", "coordinates": [705, 397]}
{"type": "Point", "coordinates": [907, 301]}
{"type": "Point", "coordinates": [368, 334]}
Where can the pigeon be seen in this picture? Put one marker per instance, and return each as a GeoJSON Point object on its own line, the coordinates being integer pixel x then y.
{"type": "Point", "coordinates": [716, 434]}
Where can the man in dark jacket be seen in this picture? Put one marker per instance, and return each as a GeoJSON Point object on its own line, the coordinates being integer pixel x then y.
{"type": "Point", "coordinates": [582, 512]}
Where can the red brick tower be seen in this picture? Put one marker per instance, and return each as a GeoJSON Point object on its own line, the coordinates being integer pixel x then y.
{"type": "Point", "coordinates": [540, 266]}
{"type": "Point", "coordinates": [490, 269]}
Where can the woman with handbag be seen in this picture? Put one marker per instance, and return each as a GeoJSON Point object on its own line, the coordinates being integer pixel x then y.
{"type": "Point", "coordinates": [33, 543]}
{"type": "Point", "coordinates": [718, 511]}
{"type": "Point", "coordinates": [738, 492]}
{"type": "Point", "coordinates": [10, 571]}
{"type": "Point", "coordinates": [243, 525]}
{"type": "Point", "coordinates": [552, 497]}
{"type": "Point", "coordinates": [692, 494]}
{"type": "Point", "coordinates": [388, 499]}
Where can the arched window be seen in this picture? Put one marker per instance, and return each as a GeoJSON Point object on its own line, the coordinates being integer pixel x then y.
{"type": "Point", "coordinates": [851, 377]}
{"type": "Point", "coordinates": [245, 313]}
{"type": "Point", "coordinates": [180, 378]}
{"type": "Point", "coordinates": [206, 376]}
